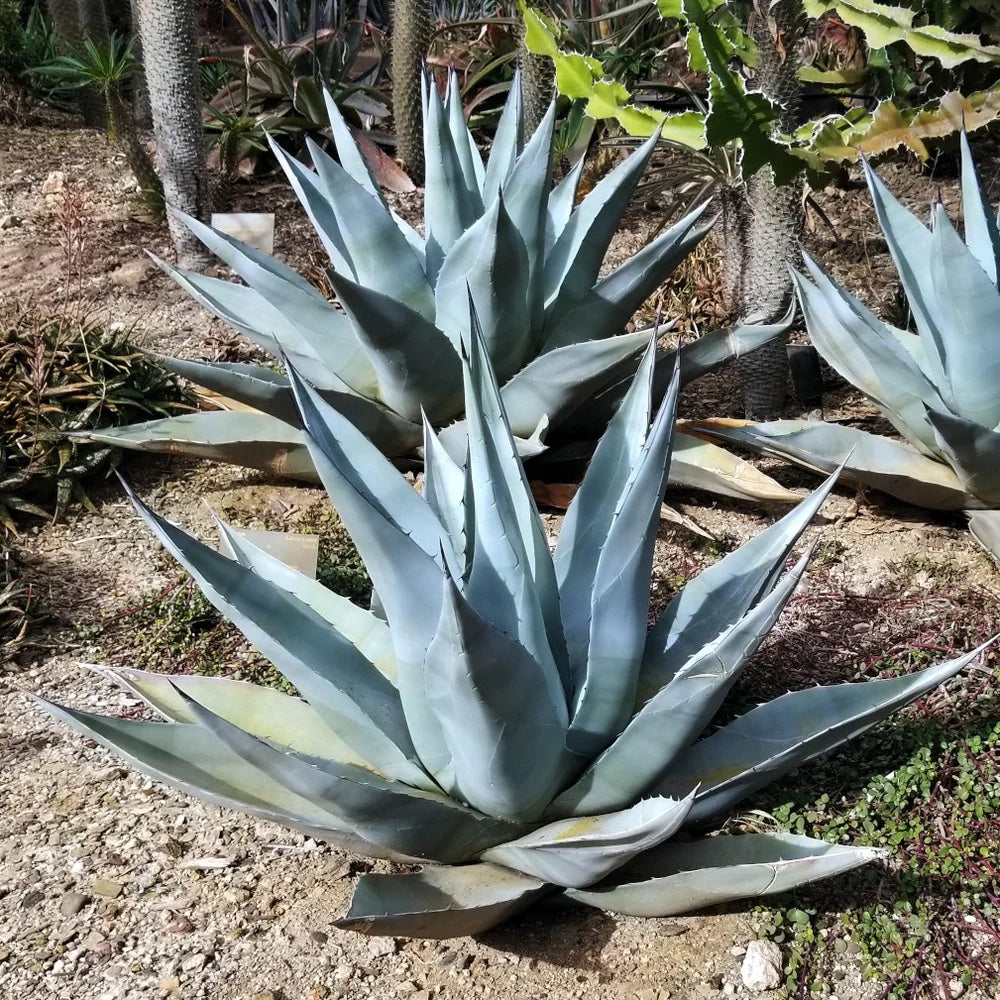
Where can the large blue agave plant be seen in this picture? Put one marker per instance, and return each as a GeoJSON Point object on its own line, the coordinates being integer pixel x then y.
{"type": "Point", "coordinates": [510, 720]}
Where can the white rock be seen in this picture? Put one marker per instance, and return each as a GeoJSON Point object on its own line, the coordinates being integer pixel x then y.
{"type": "Point", "coordinates": [761, 968]}
{"type": "Point", "coordinates": [54, 183]}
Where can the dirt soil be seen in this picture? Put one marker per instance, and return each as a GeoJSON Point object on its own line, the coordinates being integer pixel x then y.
{"type": "Point", "coordinates": [113, 886]}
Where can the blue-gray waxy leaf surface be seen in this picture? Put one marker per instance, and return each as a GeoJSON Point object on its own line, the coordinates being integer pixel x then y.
{"type": "Point", "coordinates": [939, 387]}
{"type": "Point", "coordinates": [526, 253]}
{"type": "Point", "coordinates": [506, 719]}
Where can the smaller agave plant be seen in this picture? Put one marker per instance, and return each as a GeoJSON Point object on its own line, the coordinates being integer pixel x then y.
{"type": "Point", "coordinates": [388, 351]}
{"type": "Point", "coordinates": [509, 723]}
{"type": "Point", "coordinates": [940, 389]}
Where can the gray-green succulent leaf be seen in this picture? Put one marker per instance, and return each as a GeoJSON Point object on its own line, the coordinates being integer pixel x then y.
{"type": "Point", "coordinates": [938, 388]}
{"type": "Point", "coordinates": [505, 713]}
{"type": "Point", "coordinates": [529, 256]}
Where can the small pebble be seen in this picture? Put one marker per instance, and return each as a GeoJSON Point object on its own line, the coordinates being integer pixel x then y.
{"type": "Point", "coordinates": [71, 903]}
{"type": "Point", "coordinates": [105, 887]}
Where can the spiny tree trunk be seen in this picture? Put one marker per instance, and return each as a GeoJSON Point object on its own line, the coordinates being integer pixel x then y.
{"type": "Point", "coordinates": [70, 29]}
{"type": "Point", "coordinates": [126, 136]}
{"type": "Point", "coordinates": [412, 28]}
{"type": "Point", "coordinates": [170, 53]}
{"type": "Point", "coordinates": [537, 84]}
{"type": "Point", "coordinates": [142, 114]}
{"type": "Point", "coordinates": [762, 221]}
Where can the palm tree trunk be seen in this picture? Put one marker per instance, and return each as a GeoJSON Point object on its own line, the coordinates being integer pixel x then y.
{"type": "Point", "coordinates": [127, 138]}
{"type": "Point", "coordinates": [142, 114]}
{"type": "Point", "coordinates": [70, 29]}
{"type": "Point", "coordinates": [167, 31]}
{"type": "Point", "coordinates": [762, 221]}
{"type": "Point", "coordinates": [412, 29]}
{"type": "Point", "coordinates": [537, 84]}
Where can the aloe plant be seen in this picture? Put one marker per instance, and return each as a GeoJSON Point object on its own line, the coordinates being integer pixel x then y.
{"type": "Point", "coordinates": [508, 720]}
{"type": "Point", "coordinates": [940, 388]}
{"type": "Point", "coordinates": [532, 258]}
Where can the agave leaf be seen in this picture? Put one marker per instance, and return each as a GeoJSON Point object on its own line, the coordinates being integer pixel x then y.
{"type": "Point", "coordinates": [697, 358]}
{"type": "Point", "coordinates": [450, 205]}
{"type": "Point", "coordinates": [259, 710]}
{"type": "Point", "coordinates": [981, 233]}
{"type": "Point", "coordinates": [511, 582]}
{"type": "Point", "coordinates": [367, 632]}
{"type": "Point", "coordinates": [269, 392]}
{"type": "Point", "coordinates": [581, 851]}
{"type": "Point", "coordinates": [192, 759]}
{"type": "Point", "coordinates": [973, 452]}
{"type": "Point", "coordinates": [606, 659]}
{"type": "Point", "coordinates": [679, 878]}
{"type": "Point", "coordinates": [864, 351]}
{"type": "Point", "coordinates": [887, 465]}
{"type": "Point", "coordinates": [572, 267]}
{"type": "Point", "coordinates": [253, 440]}
{"type": "Point", "coordinates": [289, 293]}
{"type": "Point", "coordinates": [355, 700]}
{"type": "Point", "coordinates": [585, 527]}
{"type": "Point", "coordinates": [439, 902]}
{"type": "Point", "coordinates": [562, 198]}
{"type": "Point", "coordinates": [723, 593]}
{"type": "Point", "coordinates": [969, 299]}
{"type": "Point", "coordinates": [508, 142]}
{"type": "Point", "coordinates": [316, 337]}
{"type": "Point", "coordinates": [677, 714]}
{"type": "Point", "coordinates": [248, 312]}
{"type": "Point", "coordinates": [489, 263]}
{"type": "Point", "coordinates": [348, 151]}
{"type": "Point", "coordinates": [985, 528]}
{"type": "Point", "coordinates": [411, 821]}
{"type": "Point", "coordinates": [416, 366]}
{"type": "Point", "coordinates": [909, 242]}
{"type": "Point", "coordinates": [444, 491]}
{"type": "Point", "coordinates": [314, 200]}
{"type": "Point", "coordinates": [252, 265]}
{"type": "Point", "coordinates": [526, 196]}
{"type": "Point", "coordinates": [380, 256]}
{"type": "Point", "coordinates": [509, 751]}
{"type": "Point", "coordinates": [406, 578]}
{"type": "Point", "coordinates": [354, 162]}
{"type": "Point", "coordinates": [611, 303]}
{"type": "Point", "coordinates": [702, 465]}
{"type": "Point", "coordinates": [473, 171]}
{"type": "Point", "coordinates": [252, 385]}
{"type": "Point", "coordinates": [756, 748]}
{"type": "Point", "coordinates": [556, 382]}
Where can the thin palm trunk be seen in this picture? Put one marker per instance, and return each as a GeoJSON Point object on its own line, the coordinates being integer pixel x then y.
{"type": "Point", "coordinates": [125, 134]}
{"type": "Point", "coordinates": [537, 84]}
{"type": "Point", "coordinates": [412, 29]}
{"type": "Point", "coordinates": [170, 54]}
{"type": "Point", "coordinates": [70, 24]}
{"type": "Point", "coordinates": [762, 221]}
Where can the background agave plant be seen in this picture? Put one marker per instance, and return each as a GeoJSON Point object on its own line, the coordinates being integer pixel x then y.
{"type": "Point", "coordinates": [939, 389]}
{"type": "Point", "coordinates": [530, 255]}
{"type": "Point", "coordinates": [510, 719]}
